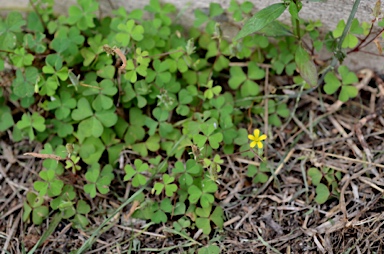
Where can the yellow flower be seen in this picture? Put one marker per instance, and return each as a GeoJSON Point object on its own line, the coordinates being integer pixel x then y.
{"type": "Point", "coordinates": [256, 139]}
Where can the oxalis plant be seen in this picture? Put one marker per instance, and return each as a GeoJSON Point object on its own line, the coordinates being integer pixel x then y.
{"type": "Point", "coordinates": [127, 100]}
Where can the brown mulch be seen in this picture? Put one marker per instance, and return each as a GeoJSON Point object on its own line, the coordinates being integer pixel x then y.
{"type": "Point", "coordinates": [280, 216]}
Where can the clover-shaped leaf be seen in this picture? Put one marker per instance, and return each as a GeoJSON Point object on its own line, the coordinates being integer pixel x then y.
{"type": "Point", "coordinates": [248, 86]}
{"type": "Point", "coordinates": [8, 28]}
{"type": "Point", "coordinates": [21, 58]}
{"type": "Point", "coordinates": [30, 122]}
{"type": "Point", "coordinates": [160, 75]}
{"type": "Point", "coordinates": [33, 204]}
{"type": "Point", "coordinates": [51, 184]}
{"type": "Point", "coordinates": [212, 90]}
{"type": "Point", "coordinates": [91, 149]}
{"type": "Point", "coordinates": [83, 16]}
{"type": "Point", "coordinates": [6, 119]}
{"type": "Point", "coordinates": [322, 193]}
{"type": "Point", "coordinates": [347, 92]}
{"type": "Point", "coordinates": [138, 179]}
{"type": "Point", "coordinates": [83, 110]}
{"type": "Point", "coordinates": [315, 175]}
{"type": "Point", "coordinates": [202, 193]}
{"type": "Point", "coordinates": [67, 42]}
{"type": "Point", "coordinates": [67, 194]}
{"type": "Point", "coordinates": [103, 99]}
{"type": "Point", "coordinates": [62, 104]}
{"type": "Point", "coordinates": [129, 31]}
{"type": "Point", "coordinates": [98, 180]}
{"type": "Point", "coordinates": [203, 221]}
{"type": "Point", "coordinates": [350, 41]}
{"type": "Point", "coordinates": [91, 53]}
{"type": "Point", "coordinates": [23, 84]}
{"type": "Point", "coordinates": [259, 174]}
{"type": "Point", "coordinates": [332, 83]}
{"type": "Point", "coordinates": [35, 43]}
{"type": "Point", "coordinates": [188, 171]}
{"type": "Point", "coordinates": [209, 134]}
{"type": "Point", "coordinates": [167, 185]}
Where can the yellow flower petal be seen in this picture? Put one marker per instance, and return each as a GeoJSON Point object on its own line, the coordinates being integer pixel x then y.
{"type": "Point", "coordinates": [253, 144]}
{"type": "Point", "coordinates": [251, 137]}
{"type": "Point", "coordinates": [262, 137]}
{"type": "Point", "coordinates": [256, 132]}
{"type": "Point", "coordinates": [259, 145]}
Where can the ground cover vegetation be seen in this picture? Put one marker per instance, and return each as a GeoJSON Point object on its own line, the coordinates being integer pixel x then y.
{"type": "Point", "coordinates": [132, 133]}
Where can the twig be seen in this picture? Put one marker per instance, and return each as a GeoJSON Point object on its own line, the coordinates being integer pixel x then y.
{"type": "Point", "coordinates": [289, 155]}
{"type": "Point", "coordinates": [122, 57]}
{"type": "Point", "coordinates": [266, 91]}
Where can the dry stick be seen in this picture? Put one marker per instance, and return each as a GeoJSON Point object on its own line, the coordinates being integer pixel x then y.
{"type": "Point", "coordinates": [343, 206]}
{"type": "Point", "coordinates": [373, 185]}
{"type": "Point", "coordinates": [238, 187]}
{"type": "Point", "coordinates": [230, 162]}
{"type": "Point", "coordinates": [366, 208]}
{"type": "Point", "coordinates": [350, 142]}
{"type": "Point", "coordinates": [318, 244]}
{"type": "Point", "coordinates": [343, 157]}
{"type": "Point", "coordinates": [292, 115]}
{"type": "Point", "coordinates": [302, 126]}
{"type": "Point", "coordinates": [377, 111]}
{"type": "Point", "coordinates": [265, 243]}
{"type": "Point", "coordinates": [266, 91]}
{"type": "Point", "coordinates": [13, 229]}
{"type": "Point", "coordinates": [140, 231]}
{"type": "Point", "coordinates": [122, 57]}
{"type": "Point", "coordinates": [7, 180]}
{"type": "Point", "coordinates": [249, 213]}
{"type": "Point", "coordinates": [233, 220]}
{"type": "Point", "coordinates": [11, 210]}
{"type": "Point", "coordinates": [45, 156]}
{"type": "Point", "coordinates": [289, 155]}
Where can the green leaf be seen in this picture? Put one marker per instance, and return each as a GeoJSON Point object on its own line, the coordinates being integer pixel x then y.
{"type": "Point", "coordinates": [90, 188]}
{"type": "Point", "coordinates": [339, 29]}
{"type": "Point", "coordinates": [315, 175]}
{"type": "Point", "coordinates": [306, 66]}
{"type": "Point", "coordinates": [194, 194]}
{"type": "Point", "coordinates": [83, 110]}
{"type": "Point", "coordinates": [39, 214]}
{"type": "Point", "coordinates": [91, 150]}
{"type": "Point", "coordinates": [204, 224]}
{"type": "Point", "coordinates": [211, 249]}
{"type": "Point", "coordinates": [249, 88]}
{"type": "Point", "coordinates": [185, 96]}
{"type": "Point", "coordinates": [347, 76]}
{"type": "Point", "coordinates": [237, 77]}
{"type": "Point", "coordinates": [6, 119]}
{"type": "Point", "coordinates": [332, 83]}
{"type": "Point", "coordinates": [91, 127]}
{"type": "Point", "coordinates": [350, 41]}
{"type": "Point", "coordinates": [261, 19]}
{"type": "Point", "coordinates": [347, 92]}
{"type": "Point", "coordinates": [107, 72]}
{"type": "Point", "coordinates": [83, 17]}
{"type": "Point", "coordinates": [23, 84]}
{"type": "Point", "coordinates": [20, 58]}
{"type": "Point", "coordinates": [322, 193]}
{"type": "Point", "coordinates": [200, 18]}
{"type": "Point", "coordinates": [215, 9]}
